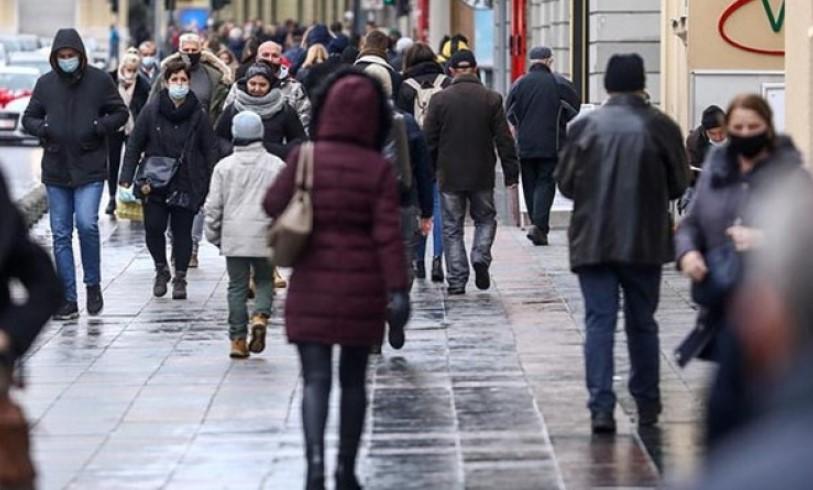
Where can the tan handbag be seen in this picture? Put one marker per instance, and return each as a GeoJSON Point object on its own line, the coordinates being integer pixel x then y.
{"type": "Point", "coordinates": [16, 467]}
{"type": "Point", "coordinates": [291, 230]}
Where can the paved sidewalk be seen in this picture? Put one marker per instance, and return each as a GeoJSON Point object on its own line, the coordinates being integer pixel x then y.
{"type": "Point", "coordinates": [487, 393]}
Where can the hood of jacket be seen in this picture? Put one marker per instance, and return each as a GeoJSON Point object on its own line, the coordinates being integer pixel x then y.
{"type": "Point", "coordinates": [352, 108]}
{"type": "Point", "coordinates": [207, 59]}
{"type": "Point", "coordinates": [320, 34]}
{"type": "Point", "coordinates": [725, 169]}
{"type": "Point", "coordinates": [375, 59]}
{"type": "Point", "coordinates": [69, 38]}
{"type": "Point", "coordinates": [249, 154]}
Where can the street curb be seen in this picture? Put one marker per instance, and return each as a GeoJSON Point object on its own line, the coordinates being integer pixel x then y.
{"type": "Point", "coordinates": [33, 205]}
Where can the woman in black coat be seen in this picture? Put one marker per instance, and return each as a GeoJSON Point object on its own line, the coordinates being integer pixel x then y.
{"type": "Point", "coordinates": [257, 93]}
{"type": "Point", "coordinates": [134, 90]}
{"type": "Point", "coordinates": [733, 177]}
{"type": "Point", "coordinates": [173, 125]}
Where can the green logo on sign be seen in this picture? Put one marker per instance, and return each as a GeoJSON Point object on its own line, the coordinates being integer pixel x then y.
{"type": "Point", "coordinates": [776, 20]}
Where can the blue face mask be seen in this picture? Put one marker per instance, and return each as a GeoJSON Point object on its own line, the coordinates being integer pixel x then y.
{"type": "Point", "coordinates": [68, 65]}
{"type": "Point", "coordinates": [148, 61]}
{"type": "Point", "coordinates": [178, 92]}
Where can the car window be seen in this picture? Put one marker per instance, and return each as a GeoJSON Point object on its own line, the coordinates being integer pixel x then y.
{"type": "Point", "coordinates": [42, 65]}
{"type": "Point", "coordinates": [17, 81]}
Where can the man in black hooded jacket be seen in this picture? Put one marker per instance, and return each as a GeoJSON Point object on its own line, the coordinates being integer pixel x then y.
{"type": "Point", "coordinates": [73, 109]}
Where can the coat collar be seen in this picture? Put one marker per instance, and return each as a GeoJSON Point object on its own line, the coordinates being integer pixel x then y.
{"type": "Point", "coordinates": [627, 99]}
{"type": "Point", "coordinates": [467, 79]}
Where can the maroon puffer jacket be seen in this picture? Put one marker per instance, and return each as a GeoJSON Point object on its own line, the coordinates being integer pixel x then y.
{"type": "Point", "coordinates": [355, 256]}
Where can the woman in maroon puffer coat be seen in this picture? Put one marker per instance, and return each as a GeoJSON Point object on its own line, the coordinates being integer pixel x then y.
{"type": "Point", "coordinates": [351, 277]}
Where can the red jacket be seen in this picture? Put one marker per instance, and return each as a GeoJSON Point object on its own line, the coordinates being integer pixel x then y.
{"type": "Point", "coordinates": [355, 256]}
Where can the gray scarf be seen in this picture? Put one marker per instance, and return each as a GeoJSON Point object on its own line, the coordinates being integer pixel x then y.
{"type": "Point", "coordinates": [265, 106]}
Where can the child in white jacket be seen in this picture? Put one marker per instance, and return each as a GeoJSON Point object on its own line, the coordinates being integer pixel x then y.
{"type": "Point", "coordinates": [237, 224]}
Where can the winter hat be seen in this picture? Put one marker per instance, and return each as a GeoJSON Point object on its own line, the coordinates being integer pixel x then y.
{"type": "Point", "coordinates": [463, 59]}
{"type": "Point", "coordinates": [540, 53]}
{"type": "Point", "coordinates": [403, 44]}
{"type": "Point", "coordinates": [246, 128]}
{"type": "Point", "coordinates": [263, 70]}
{"type": "Point", "coordinates": [625, 73]}
{"type": "Point", "coordinates": [338, 45]}
{"type": "Point", "coordinates": [713, 117]}
{"type": "Point", "coordinates": [319, 34]}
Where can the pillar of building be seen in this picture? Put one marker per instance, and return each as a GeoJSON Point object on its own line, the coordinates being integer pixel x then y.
{"type": "Point", "coordinates": [440, 21]}
{"type": "Point", "coordinates": [799, 74]}
{"type": "Point", "coordinates": [8, 16]}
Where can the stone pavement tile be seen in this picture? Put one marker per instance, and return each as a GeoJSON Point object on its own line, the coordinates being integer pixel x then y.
{"type": "Point", "coordinates": [423, 410]}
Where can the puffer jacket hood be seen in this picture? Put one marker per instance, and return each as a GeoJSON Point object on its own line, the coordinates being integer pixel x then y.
{"type": "Point", "coordinates": [320, 34]}
{"type": "Point", "coordinates": [69, 38]}
{"type": "Point", "coordinates": [352, 107]}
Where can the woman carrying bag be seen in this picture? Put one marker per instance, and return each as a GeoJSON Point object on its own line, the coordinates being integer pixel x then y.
{"type": "Point", "coordinates": [349, 277]}
{"type": "Point", "coordinates": [715, 235]}
{"type": "Point", "coordinates": [169, 158]}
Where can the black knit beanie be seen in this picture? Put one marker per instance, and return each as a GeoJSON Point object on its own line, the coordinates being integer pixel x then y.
{"type": "Point", "coordinates": [713, 117]}
{"type": "Point", "coordinates": [625, 73]}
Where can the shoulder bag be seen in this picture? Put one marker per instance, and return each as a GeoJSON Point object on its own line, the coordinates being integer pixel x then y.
{"type": "Point", "coordinates": [290, 232]}
{"type": "Point", "coordinates": [155, 172]}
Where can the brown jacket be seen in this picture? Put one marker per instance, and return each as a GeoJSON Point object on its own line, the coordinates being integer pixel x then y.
{"type": "Point", "coordinates": [463, 125]}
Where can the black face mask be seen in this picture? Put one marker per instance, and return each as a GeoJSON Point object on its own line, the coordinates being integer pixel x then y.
{"type": "Point", "coordinates": [194, 58]}
{"type": "Point", "coordinates": [748, 146]}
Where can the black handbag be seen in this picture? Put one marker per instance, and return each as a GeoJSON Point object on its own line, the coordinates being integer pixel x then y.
{"type": "Point", "coordinates": [724, 264]}
{"type": "Point", "coordinates": [700, 343]}
{"type": "Point", "coordinates": [155, 172]}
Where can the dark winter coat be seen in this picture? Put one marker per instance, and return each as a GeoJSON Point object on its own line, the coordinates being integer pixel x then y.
{"type": "Point", "coordinates": [72, 114]}
{"type": "Point", "coordinates": [423, 183]}
{"type": "Point", "coordinates": [621, 166]}
{"type": "Point", "coordinates": [317, 74]}
{"type": "Point", "coordinates": [355, 255]}
{"type": "Point", "coordinates": [162, 130]}
{"type": "Point", "coordinates": [140, 94]}
{"type": "Point", "coordinates": [723, 194]}
{"type": "Point", "coordinates": [25, 261]}
{"type": "Point", "coordinates": [697, 147]}
{"type": "Point", "coordinates": [283, 131]}
{"type": "Point", "coordinates": [539, 106]}
{"type": "Point", "coordinates": [463, 125]}
{"type": "Point", "coordinates": [423, 73]}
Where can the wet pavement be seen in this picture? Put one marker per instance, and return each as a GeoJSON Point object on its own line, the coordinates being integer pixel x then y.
{"type": "Point", "coordinates": [487, 393]}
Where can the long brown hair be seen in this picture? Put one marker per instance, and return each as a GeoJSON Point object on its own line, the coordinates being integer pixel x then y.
{"type": "Point", "coordinates": [753, 102]}
{"type": "Point", "coordinates": [418, 53]}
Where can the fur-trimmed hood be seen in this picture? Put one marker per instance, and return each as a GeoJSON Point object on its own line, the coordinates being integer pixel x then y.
{"type": "Point", "coordinates": [210, 59]}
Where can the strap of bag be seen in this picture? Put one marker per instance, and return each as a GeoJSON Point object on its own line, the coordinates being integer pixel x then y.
{"type": "Point", "coordinates": [304, 168]}
{"type": "Point", "coordinates": [413, 83]}
{"type": "Point", "coordinates": [438, 83]}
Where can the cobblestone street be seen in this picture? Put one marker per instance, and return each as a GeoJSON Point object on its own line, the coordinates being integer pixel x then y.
{"type": "Point", "coordinates": [487, 394]}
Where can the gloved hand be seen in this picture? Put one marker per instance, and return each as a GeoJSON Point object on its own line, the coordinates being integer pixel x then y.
{"type": "Point", "coordinates": [398, 311]}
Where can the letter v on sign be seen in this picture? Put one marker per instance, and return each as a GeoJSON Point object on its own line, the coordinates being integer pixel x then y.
{"type": "Point", "coordinates": [776, 20]}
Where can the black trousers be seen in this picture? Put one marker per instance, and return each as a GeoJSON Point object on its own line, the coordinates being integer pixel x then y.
{"type": "Point", "coordinates": [317, 371]}
{"type": "Point", "coordinates": [540, 189]}
{"type": "Point", "coordinates": [115, 143]}
{"type": "Point", "coordinates": [157, 216]}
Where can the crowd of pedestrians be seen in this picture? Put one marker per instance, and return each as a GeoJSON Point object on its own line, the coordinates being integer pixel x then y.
{"type": "Point", "coordinates": [386, 141]}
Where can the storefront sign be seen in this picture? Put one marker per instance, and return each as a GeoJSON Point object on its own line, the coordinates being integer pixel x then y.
{"type": "Point", "coordinates": [775, 18]}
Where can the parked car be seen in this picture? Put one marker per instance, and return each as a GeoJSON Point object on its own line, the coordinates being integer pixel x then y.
{"type": "Point", "coordinates": [31, 59]}
{"type": "Point", "coordinates": [16, 85]}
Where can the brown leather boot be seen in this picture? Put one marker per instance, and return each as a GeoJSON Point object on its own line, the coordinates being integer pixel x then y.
{"type": "Point", "coordinates": [239, 349]}
{"type": "Point", "coordinates": [259, 326]}
{"type": "Point", "coordinates": [279, 281]}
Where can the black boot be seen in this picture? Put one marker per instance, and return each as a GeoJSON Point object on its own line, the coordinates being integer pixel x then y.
{"type": "Point", "coordinates": [346, 478]}
{"type": "Point", "coordinates": [162, 278]}
{"type": "Point", "coordinates": [179, 285]}
{"type": "Point", "coordinates": [111, 206]}
{"type": "Point", "coordinates": [420, 269]}
{"type": "Point", "coordinates": [95, 302]}
{"type": "Point", "coordinates": [316, 468]}
{"type": "Point", "coordinates": [437, 269]}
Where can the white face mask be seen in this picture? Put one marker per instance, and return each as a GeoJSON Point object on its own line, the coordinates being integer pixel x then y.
{"type": "Point", "coordinates": [718, 144]}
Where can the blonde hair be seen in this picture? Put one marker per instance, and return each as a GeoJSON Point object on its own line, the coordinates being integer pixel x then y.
{"type": "Point", "coordinates": [130, 60]}
{"type": "Point", "coordinates": [316, 54]}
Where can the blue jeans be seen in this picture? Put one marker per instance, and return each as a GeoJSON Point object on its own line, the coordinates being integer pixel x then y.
{"type": "Point", "coordinates": [600, 286]}
{"type": "Point", "coordinates": [437, 231]}
{"type": "Point", "coordinates": [484, 215]}
{"type": "Point", "coordinates": [82, 204]}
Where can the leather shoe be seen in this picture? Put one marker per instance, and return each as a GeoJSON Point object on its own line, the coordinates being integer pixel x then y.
{"type": "Point", "coordinates": [603, 423]}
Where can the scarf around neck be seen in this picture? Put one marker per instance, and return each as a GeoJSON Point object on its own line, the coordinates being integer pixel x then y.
{"type": "Point", "coordinates": [177, 114]}
{"type": "Point", "coordinates": [265, 106]}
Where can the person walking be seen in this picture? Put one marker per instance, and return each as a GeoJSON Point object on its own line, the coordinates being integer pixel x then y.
{"type": "Point", "coordinates": [374, 58]}
{"type": "Point", "coordinates": [150, 63]}
{"type": "Point", "coordinates": [423, 78]}
{"type": "Point", "coordinates": [347, 301]}
{"type": "Point", "coordinates": [173, 125]}
{"type": "Point", "coordinates": [260, 93]}
{"type": "Point", "coordinates": [317, 54]}
{"type": "Point", "coordinates": [539, 106]}
{"type": "Point", "coordinates": [464, 124]}
{"type": "Point", "coordinates": [236, 223]}
{"type": "Point", "coordinates": [710, 134]}
{"type": "Point", "coordinates": [134, 90]}
{"type": "Point", "coordinates": [73, 108]}
{"type": "Point", "coordinates": [754, 158]}
{"type": "Point", "coordinates": [621, 165]}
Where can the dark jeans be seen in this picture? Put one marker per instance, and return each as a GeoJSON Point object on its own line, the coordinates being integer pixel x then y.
{"type": "Point", "coordinates": [437, 231]}
{"type": "Point", "coordinates": [600, 286]}
{"type": "Point", "coordinates": [67, 205]}
{"type": "Point", "coordinates": [410, 231]}
{"type": "Point", "coordinates": [317, 370]}
{"type": "Point", "coordinates": [485, 229]}
{"type": "Point", "coordinates": [157, 215]}
{"type": "Point", "coordinates": [115, 143]}
{"type": "Point", "coordinates": [539, 189]}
